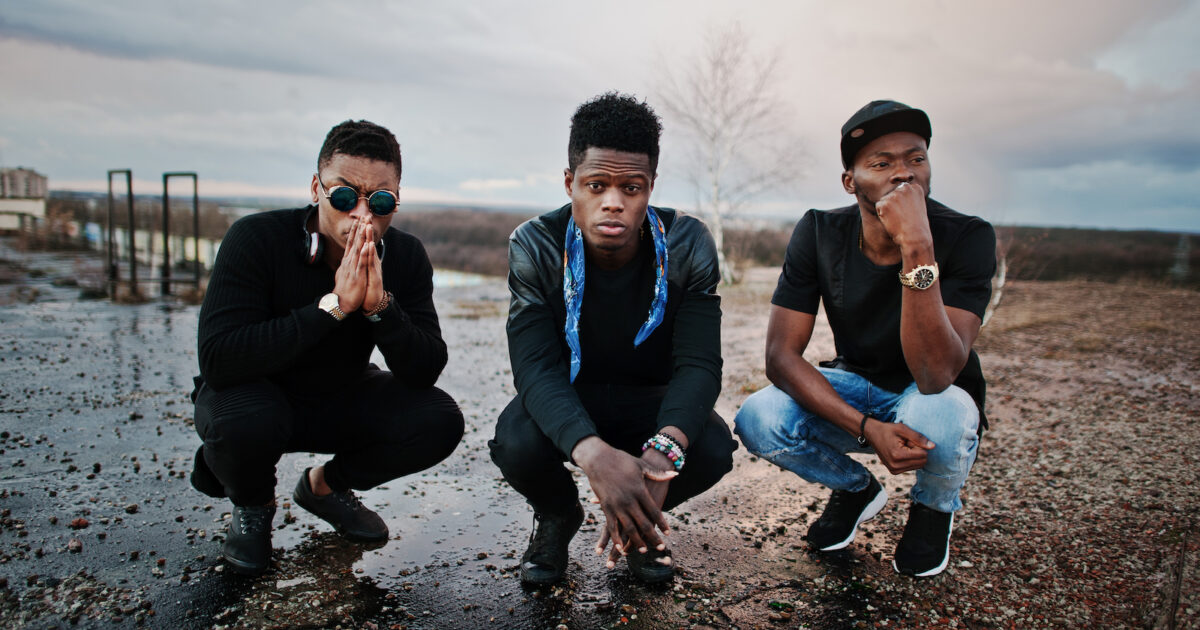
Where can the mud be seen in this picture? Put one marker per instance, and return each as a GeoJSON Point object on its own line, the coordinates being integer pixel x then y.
{"type": "Point", "coordinates": [100, 527]}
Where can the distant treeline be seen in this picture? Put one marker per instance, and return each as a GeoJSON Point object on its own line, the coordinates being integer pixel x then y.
{"type": "Point", "coordinates": [477, 241]}
{"type": "Point", "coordinates": [1105, 255]}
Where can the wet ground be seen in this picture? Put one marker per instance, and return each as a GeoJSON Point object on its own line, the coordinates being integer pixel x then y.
{"type": "Point", "coordinates": [99, 526]}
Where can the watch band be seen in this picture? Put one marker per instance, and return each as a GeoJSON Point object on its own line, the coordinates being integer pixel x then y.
{"type": "Point", "coordinates": [921, 277]}
{"type": "Point", "coordinates": [329, 304]}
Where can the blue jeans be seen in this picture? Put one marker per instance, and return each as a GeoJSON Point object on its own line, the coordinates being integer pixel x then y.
{"type": "Point", "coordinates": [775, 427]}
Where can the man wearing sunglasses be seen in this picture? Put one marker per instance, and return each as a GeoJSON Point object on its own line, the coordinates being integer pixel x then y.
{"type": "Point", "coordinates": [614, 331]}
{"type": "Point", "coordinates": [297, 302]}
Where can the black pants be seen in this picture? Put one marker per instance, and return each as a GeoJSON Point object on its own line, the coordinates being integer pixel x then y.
{"type": "Point", "coordinates": [625, 417]}
{"type": "Point", "coordinates": [377, 430]}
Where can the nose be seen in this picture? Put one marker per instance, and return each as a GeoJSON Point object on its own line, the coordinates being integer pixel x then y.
{"type": "Point", "coordinates": [902, 174]}
{"type": "Point", "coordinates": [612, 200]}
{"type": "Point", "coordinates": [360, 209]}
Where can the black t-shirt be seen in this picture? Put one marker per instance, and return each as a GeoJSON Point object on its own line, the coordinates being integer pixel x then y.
{"type": "Point", "coordinates": [615, 305]}
{"type": "Point", "coordinates": [824, 264]}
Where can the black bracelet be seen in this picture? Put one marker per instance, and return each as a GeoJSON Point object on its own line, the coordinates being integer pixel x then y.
{"type": "Point", "coordinates": [862, 431]}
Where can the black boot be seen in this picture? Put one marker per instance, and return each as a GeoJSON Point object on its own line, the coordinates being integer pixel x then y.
{"type": "Point", "coordinates": [545, 561]}
{"type": "Point", "coordinates": [247, 546]}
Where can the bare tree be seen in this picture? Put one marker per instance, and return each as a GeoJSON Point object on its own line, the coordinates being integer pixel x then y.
{"type": "Point", "coordinates": [723, 100]}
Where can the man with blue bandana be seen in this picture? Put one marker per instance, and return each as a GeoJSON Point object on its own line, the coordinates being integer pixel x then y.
{"type": "Point", "coordinates": [614, 332]}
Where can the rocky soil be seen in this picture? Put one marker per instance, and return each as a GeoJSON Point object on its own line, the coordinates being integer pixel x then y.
{"type": "Point", "coordinates": [1081, 510]}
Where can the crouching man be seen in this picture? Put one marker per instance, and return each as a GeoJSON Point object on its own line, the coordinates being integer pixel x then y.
{"type": "Point", "coordinates": [297, 302]}
{"type": "Point", "coordinates": [904, 281]}
{"type": "Point", "coordinates": [614, 336]}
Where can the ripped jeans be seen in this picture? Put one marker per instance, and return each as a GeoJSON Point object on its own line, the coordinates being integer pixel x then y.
{"type": "Point", "coordinates": [775, 427]}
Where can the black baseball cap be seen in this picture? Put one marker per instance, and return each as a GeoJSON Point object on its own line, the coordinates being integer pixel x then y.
{"type": "Point", "coordinates": [879, 118]}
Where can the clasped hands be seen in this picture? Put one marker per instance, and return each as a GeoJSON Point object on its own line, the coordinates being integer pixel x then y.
{"type": "Point", "coordinates": [630, 491]}
{"type": "Point", "coordinates": [358, 280]}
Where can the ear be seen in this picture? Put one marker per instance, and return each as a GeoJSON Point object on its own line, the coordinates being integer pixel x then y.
{"type": "Point", "coordinates": [848, 182]}
{"type": "Point", "coordinates": [568, 179]}
{"type": "Point", "coordinates": [314, 189]}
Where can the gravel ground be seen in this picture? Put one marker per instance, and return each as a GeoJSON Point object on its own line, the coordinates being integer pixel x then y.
{"type": "Point", "coordinates": [1081, 511]}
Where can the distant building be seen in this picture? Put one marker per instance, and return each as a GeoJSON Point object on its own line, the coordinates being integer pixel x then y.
{"type": "Point", "coordinates": [23, 194]}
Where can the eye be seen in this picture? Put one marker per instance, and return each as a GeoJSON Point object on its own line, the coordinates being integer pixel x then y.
{"type": "Point", "coordinates": [920, 159]}
{"type": "Point", "coordinates": [880, 165]}
{"type": "Point", "coordinates": [632, 189]}
{"type": "Point", "coordinates": [594, 186]}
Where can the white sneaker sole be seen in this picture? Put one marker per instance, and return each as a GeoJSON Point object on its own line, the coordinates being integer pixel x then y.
{"type": "Point", "coordinates": [867, 514]}
{"type": "Point", "coordinates": [945, 559]}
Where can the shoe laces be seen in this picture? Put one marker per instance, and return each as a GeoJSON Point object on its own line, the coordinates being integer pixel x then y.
{"type": "Point", "coordinates": [252, 519]}
{"type": "Point", "coordinates": [351, 501]}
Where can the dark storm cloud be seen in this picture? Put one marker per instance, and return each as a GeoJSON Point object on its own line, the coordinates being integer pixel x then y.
{"type": "Point", "coordinates": [385, 42]}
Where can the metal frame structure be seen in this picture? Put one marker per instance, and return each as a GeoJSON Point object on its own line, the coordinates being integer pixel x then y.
{"type": "Point", "coordinates": [111, 262]}
{"type": "Point", "coordinates": [166, 229]}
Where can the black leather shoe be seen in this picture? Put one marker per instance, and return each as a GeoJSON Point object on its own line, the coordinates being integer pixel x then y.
{"type": "Point", "coordinates": [203, 478]}
{"type": "Point", "coordinates": [649, 567]}
{"type": "Point", "coordinates": [343, 510]}
{"type": "Point", "coordinates": [844, 512]}
{"type": "Point", "coordinates": [247, 546]}
{"type": "Point", "coordinates": [545, 561]}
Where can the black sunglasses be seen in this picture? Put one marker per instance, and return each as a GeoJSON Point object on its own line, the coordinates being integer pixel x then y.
{"type": "Point", "coordinates": [344, 198]}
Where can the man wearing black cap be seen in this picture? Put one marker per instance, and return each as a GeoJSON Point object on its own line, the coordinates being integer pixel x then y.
{"type": "Point", "coordinates": [904, 281]}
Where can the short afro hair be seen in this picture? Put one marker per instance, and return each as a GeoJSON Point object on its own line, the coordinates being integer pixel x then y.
{"type": "Point", "coordinates": [614, 121]}
{"type": "Point", "coordinates": [360, 138]}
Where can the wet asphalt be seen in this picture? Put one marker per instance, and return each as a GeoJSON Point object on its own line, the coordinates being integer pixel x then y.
{"type": "Point", "coordinates": [100, 526]}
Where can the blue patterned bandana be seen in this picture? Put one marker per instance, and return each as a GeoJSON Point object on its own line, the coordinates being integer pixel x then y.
{"type": "Point", "coordinates": [573, 265]}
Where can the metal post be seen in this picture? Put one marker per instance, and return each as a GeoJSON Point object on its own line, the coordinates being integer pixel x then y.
{"type": "Point", "coordinates": [133, 282]}
{"type": "Point", "coordinates": [110, 260]}
{"type": "Point", "coordinates": [196, 228]}
{"type": "Point", "coordinates": [166, 231]}
{"type": "Point", "coordinates": [195, 224]}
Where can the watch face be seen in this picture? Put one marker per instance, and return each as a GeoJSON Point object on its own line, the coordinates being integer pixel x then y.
{"type": "Point", "coordinates": [923, 278]}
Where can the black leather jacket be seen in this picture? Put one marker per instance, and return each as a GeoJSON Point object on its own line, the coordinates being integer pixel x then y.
{"type": "Point", "coordinates": [537, 314]}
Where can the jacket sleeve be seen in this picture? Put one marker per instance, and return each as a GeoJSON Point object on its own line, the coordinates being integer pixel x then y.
{"type": "Point", "coordinates": [696, 376]}
{"type": "Point", "coordinates": [408, 333]}
{"type": "Point", "coordinates": [535, 346]}
{"type": "Point", "coordinates": [239, 338]}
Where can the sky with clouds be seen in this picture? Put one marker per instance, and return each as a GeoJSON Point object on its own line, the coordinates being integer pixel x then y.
{"type": "Point", "coordinates": [1082, 113]}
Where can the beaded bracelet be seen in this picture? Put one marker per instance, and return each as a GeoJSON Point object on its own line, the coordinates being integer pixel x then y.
{"type": "Point", "coordinates": [668, 446]}
{"type": "Point", "coordinates": [384, 301]}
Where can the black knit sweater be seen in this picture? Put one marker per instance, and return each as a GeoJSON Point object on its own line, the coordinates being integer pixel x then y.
{"type": "Point", "coordinates": [260, 317]}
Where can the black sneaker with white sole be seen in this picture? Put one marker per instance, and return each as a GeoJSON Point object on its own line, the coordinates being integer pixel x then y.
{"type": "Point", "coordinates": [924, 549]}
{"type": "Point", "coordinates": [843, 514]}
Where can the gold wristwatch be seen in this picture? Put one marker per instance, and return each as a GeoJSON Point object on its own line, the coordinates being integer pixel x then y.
{"type": "Point", "coordinates": [921, 277]}
{"type": "Point", "coordinates": [329, 304]}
